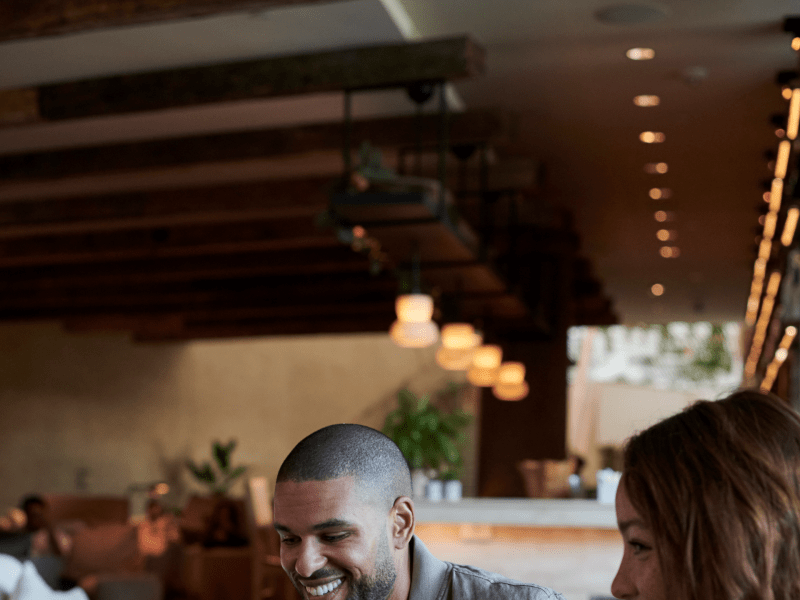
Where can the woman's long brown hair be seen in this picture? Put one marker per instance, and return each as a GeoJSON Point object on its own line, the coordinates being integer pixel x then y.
{"type": "Point", "coordinates": [719, 485]}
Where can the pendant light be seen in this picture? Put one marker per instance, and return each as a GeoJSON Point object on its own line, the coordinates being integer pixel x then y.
{"type": "Point", "coordinates": [459, 341]}
{"type": "Point", "coordinates": [413, 327]}
{"type": "Point", "coordinates": [510, 384]}
{"type": "Point", "coordinates": [485, 363]}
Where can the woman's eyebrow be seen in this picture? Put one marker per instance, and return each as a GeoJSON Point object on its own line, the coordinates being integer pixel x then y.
{"type": "Point", "coordinates": [625, 525]}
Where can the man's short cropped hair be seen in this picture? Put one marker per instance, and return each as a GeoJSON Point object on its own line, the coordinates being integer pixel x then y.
{"type": "Point", "coordinates": [347, 449]}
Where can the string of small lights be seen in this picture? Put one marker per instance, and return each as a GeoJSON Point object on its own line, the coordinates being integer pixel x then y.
{"type": "Point", "coordinates": [761, 303]}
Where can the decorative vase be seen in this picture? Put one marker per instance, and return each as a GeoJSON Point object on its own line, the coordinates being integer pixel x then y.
{"type": "Point", "coordinates": [434, 491]}
{"type": "Point", "coordinates": [453, 490]}
{"type": "Point", "coordinates": [419, 480]}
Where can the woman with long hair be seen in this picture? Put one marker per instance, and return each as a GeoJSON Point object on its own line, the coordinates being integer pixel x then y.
{"type": "Point", "coordinates": [709, 504]}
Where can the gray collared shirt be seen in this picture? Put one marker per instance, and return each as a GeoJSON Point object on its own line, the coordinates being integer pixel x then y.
{"type": "Point", "coordinates": [433, 579]}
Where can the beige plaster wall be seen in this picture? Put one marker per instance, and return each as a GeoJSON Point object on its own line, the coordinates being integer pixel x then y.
{"type": "Point", "coordinates": [96, 413]}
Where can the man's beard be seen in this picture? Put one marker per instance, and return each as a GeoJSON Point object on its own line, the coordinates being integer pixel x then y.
{"type": "Point", "coordinates": [377, 586]}
{"type": "Point", "coordinates": [380, 584]}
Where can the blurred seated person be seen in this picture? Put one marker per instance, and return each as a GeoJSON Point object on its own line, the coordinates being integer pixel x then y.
{"type": "Point", "coordinates": [709, 504]}
{"type": "Point", "coordinates": [46, 540]}
{"type": "Point", "coordinates": [224, 527]}
{"type": "Point", "coordinates": [157, 531]}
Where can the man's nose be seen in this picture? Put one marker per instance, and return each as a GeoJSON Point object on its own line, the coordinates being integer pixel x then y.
{"type": "Point", "coordinates": [309, 559]}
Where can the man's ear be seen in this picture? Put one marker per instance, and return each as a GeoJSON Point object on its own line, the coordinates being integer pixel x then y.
{"type": "Point", "coordinates": [402, 516]}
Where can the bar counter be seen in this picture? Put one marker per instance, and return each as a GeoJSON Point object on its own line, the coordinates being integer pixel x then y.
{"type": "Point", "coordinates": [572, 546]}
{"type": "Point", "coordinates": [523, 512]}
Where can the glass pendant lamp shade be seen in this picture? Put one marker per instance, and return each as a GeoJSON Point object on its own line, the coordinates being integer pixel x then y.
{"type": "Point", "coordinates": [414, 334]}
{"type": "Point", "coordinates": [487, 356]}
{"type": "Point", "coordinates": [414, 308]}
{"type": "Point", "coordinates": [511, 373]}
{"type": "Point", "coordinates": [510, 383]}
{"type": "Point", "coordinates": [460, 336]}
{"type": "Point", "coordinates": [453, 359]}
{"type": "Point", "coordinates": [512, 391]}
{"type": "Point", "coordinates": [481, 376]}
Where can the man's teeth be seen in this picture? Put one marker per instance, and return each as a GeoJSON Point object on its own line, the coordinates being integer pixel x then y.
{"type": "Point", "coordinates": [324, 589]}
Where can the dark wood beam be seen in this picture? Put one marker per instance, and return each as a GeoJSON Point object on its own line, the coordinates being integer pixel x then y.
{"type": "Point", "coordinates": [196, 240]}
{"type": "Point", "coordinates": [371, 67]}
{"type": "Point", "coordinates": [468, 127]}
{"type": "Point", "coordinates": [36, 18]}
{"type": "Point", "coordinates": [275, 199]}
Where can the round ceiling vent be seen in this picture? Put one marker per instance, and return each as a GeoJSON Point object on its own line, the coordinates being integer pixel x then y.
{"type": "Point", "coordinates": [631, 14]}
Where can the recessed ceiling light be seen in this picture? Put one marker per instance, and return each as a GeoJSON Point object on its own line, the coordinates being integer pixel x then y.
{"type": "Point", "coordinates": [652, 137]}
{"type": "Point", "coordinates": [786, 92]}
{"type": "Point", "coordinates": [661, 216]}
{"type": "Point", "coordinates": [666, 251]}
{"type": "Point", "coordinates": [796, 43]}
{"type": "Point", "coordinates": [660, 167]}
{"type": "Point", "coordinates": [660, 193]}
{"type": "Point", "coordinates": [657, 289]}
{"type": "Point", "coordinates": [640, 53]}
{"type": "Point", "coordinates": [665, 235]}
{"type": "Point", "coordinates": [647, 100]}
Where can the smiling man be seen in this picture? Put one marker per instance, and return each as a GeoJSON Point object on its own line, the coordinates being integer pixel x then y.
{"type": "Point", "coordinates": [344, 513]}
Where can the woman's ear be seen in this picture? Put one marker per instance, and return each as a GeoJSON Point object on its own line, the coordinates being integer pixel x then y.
{"type": "Point", "coordinates": [402, 515]}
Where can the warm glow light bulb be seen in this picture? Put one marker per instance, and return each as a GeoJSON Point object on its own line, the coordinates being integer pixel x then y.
{"type": "Point", "coordinates": [794, 115]}
{"type": "Point", "coordinates": [782, 162]}
{"type": "Point", "coordinates": [666, 251]}
{"type": "Point", "coordinates": [454, 359]}
{"type": "Point", "coordinates": [481, 377]}
{"type": "Point", "coordinates": [652, 137]}
{"type": "Point", "coordinates": [655, 193]}
{"type": "Point", "coordinates": [414, 308]}
{"type": "Point", "coordinates": [776, 195]}
{"type": "Point", "coordinates": [660, 216]}
{"type": "Point", "coordinates": [663, 235]}
{"type": "Point", "coordinates": [647, 100]}
{"type": "Point", "coordinates": [414, 334]}
{"type": "Point", "coordinates": [459, 336]}
{"type": "Point", "coordinates": [641, 53]}
{"type": "Point", "coordinates": [510, 393]}
{"type": "Point", "coordinates": [657, 289]}
{"type": "Point", "coordinates": [488, 356]}
{"type": "Point", "coordinates": [796, 44]}
{"type": "Point", "coordinates": [770, 222]}
{"type": "Point", "coordinates": [790, 226]}
{"type": "Point", "coordinates": [511, 373]}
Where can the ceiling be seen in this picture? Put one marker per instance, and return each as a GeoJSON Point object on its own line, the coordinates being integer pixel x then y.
{"type": "Point", "coordinates": [557, 67]}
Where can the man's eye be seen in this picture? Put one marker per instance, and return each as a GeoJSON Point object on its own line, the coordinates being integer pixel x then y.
{"type": "Point", "coordinates": [288, 540]}
{"type": "Point", "coordinates": [334, 537]}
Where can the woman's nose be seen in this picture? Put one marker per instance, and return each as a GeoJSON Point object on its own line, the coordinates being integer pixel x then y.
{"type": "Point", "coordinates": [622, 586]}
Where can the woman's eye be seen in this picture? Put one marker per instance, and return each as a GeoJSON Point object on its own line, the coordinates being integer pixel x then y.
{"type": "Point", "coordinates": [638, 547]}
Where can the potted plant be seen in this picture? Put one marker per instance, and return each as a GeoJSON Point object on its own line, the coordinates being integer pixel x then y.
{"type": "Point", "coordinates": [220, 476]}
{"type": "Point", "coordinates": [430, 438]}
{"type": "Point", "coordinates": [216, 519]}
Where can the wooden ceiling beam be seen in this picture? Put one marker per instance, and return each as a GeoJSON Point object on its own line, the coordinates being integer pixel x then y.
{"type": "Point", "coordinates": [276, 199]}
{"type": "Point", "coordinates": [155, 270]}
{"type": "Point", "coordinates": [20, 19]}
{"type": "Point", "coordinates": [196, 240]}
{"type": "Point", "coordinates": [362, 68]}
{"type": "Point", "coordinates": [468, 127]}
